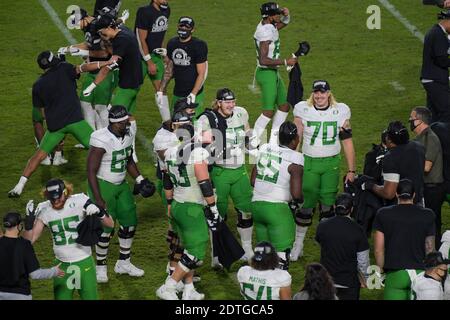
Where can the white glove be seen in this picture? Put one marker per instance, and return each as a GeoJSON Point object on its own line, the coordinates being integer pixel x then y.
{"type": "Point", "coordinates": [74, 51]}
{"type": "Point", "coordinates": [30, 207]}
{"type": "Point", "coordinates": [191, 98]}
{"type": "Point", "coordinates": [16, 192]}
{"type": "Point", "coordinates": [125, 15]}
{"type": "Point", "coordinates": [63, 50]}
{"type": "Point", "coordinates": [379, 158]}
{"type": "Point", "coordinates": [161, 51]}
{"type": "Point", "coordinates": [87, 92]}
{"type": "Point", "coordinates": [159, 97]}
{"type": "Point", "coordinates": [445, 247]}
{"type": "Point", "coordinates": [113, 65]}
{"type": "Point", "coordinates": [289, 68]}
{"type": "Point", "coordinates": [92, 209]}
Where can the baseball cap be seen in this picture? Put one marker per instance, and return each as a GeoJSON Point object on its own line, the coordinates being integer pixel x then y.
{"type": "Point", "coordinates": [11, 219]}
{"type": "Point", "coordinates": [443, 15]}
{"type": "Point", "coordinates": [47, 59]}
{"type": "Point", "coordinates": [54, 189]}
{"type": "Point", "coordinates": [433, 259]}
{"type": "Point", "coordinates": [183, 104]}
{"type": "Point", "coordinates": [225, 94]}
{"type": "Point", "coordinates": [186, 21]}
{"type": "Point", "coordinates": [321, 85]}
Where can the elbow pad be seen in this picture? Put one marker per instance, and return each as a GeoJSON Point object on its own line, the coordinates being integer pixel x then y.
{"type": "Point", "coordinates": [167, 183]}
{"type": "Point", "coordinates": [345, 134]}
{"type": "Point", "coordinates": [206, 187]}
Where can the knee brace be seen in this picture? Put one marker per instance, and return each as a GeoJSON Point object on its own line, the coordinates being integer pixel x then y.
{"type": "Point", "coordinates": [325, 212]}
{"type": "Point", "coordinates": [245, 219]}
{"type": "Point", "coordinates": [188, 262]}
{"type": "Point", "coordinates": [176, 250]}
{"type": "Point", "coordinates": [284, 259]}
{"type": "Point", "coordinates": [303, 218]}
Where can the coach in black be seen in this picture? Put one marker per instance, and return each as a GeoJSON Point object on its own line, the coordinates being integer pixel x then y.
{"type": "Point", "coordinates": [404, 234]}
{"type": "Point", "coordinates": [435, 64]}
{"type": "Point", "coordinates": [344, 249]}
{"type": "Point", "coordinates": [188, 65]}
{"type": "Point", "coordinates": [405, 159]}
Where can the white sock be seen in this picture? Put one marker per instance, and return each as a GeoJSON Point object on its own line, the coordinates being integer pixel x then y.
{"type": "Point", "coordinates": [246, 240]}
{"type": "Point", "coordinates": [22, 181]}
{"type": "Point", "coordinates": [260, 126]}
{"type": "Point", "coordinates": [164, 110]}
{"type": "Point", "coordinates": [171, 283]}
{"type": "Point", "coordinates": [101, 121]}
{"type": "Point", "coordinates": [300, 233]}
{"type": "Point", "coordinates": [189, 287]}
{"type": "Point", "coordinates": [88, 113]}
{"type": "Point", "coordinates": [58, 154]}
{"type": "Point", "coordinates": [278, 119]}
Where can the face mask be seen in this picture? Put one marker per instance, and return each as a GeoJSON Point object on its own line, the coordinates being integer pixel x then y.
{"type": "Point", "coordinates": [184, 34]}
{"type": "Point", "coordinates": [164, 6]}
{"type": "Point", "coordinates": [411, 124]}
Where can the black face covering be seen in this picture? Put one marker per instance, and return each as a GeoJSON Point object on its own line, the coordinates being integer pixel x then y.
{"type": "Point", "coordinates": [411, 124]}
{"type": "Point", "coordinates": [164, 6]}
{"type": "Point", "coordinates": [184, 34]}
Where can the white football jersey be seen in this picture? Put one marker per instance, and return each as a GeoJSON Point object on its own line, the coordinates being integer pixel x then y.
{"type": "Point", "coordinates": [425, 288]}
{"type": "Point", "coordinates": [186, 188]}
{"type": "Point", "coordinates": [163, 140]}
{"type": "Point", "coordinates": [63, 227]}
{"type": "Point", "coordinates": [113, 167]}
{"type": "Point", "coordinates": [267, 32]}
{"type": "Point", "coordinates": [272, 182]}
{"type": "Point", "coordinates": [235, 137]}
{"type": "Point", "coordinates": [321, 128]}
{"type": "Point", "coordinates": [262, 285]}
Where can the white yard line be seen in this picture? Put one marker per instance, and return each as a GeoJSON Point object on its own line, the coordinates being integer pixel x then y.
{"type": "Point", "coordinates": [66, 32]}
{"type": "Point", "coordinates": [408, 25]}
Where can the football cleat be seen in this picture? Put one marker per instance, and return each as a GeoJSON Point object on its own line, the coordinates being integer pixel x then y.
{"type": "Point", "coordinates": [166, 293]}
{"type": "Point", "coordinates": [59, 160]}
{"type": "Point", "coordinates": [126, 267]}
{"type": "Point", "coordinates": [47, 161]}
{"type": "Point", "coordinates": [102, 274]}
{"type": "Point", "coordinates": [297, 251]}
{"type": "Point", "coordinates": [192, 295]}
{"type": "Point", "coordinates": [79, 146]}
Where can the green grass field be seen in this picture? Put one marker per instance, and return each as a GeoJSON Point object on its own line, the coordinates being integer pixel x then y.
{"type": "Point", "coordinates": [359, 63]}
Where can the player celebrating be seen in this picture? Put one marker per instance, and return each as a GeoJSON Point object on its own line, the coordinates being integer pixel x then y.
{"type": "Point", "coordinates": [188, 187]}
{"type": "Point", "coordinates": [125, 51]}
{"type": "Point", "coordinates": [62, 213]}
{"type": "Point", "coordinates": [273, 91]}
{"type": "Point", "coordinates": [188, 65]}
{"type": "Point", "coordinates": [228, 174]}
{"type": "Point", "coordinates": [151, 25]}
{"type": "Point", "coordinates": [109, 160]}
{"type": "Point", "coordinates": [262, 280]}
{"type": "Point", "coordinates": [277, 178]}
{"type": "Point", "coordinates": [323, 124]}
{"type": "Point", "coordinates": [56, 93]}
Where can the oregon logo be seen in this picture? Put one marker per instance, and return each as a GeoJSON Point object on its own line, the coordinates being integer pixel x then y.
{"type": "Point", "coordinates": [181, 58]}
{"type": "Point", "coordinates": [161, 24]}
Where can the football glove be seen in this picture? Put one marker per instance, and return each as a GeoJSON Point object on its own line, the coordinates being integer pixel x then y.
{"type": "Point", "coordinates": [161, 51]}
{"type": "Point", "coordinates": [158, 97]}
{"type": "Point", "coordinates": [212, 216]}
{"type": "Point", "coordinates": [303, 49]}
{"type": "Point", "coordinates": [191, 98]}
{"type": "Point", "coordinates": [145, 188]}
{"type": "Point", "coordinates": [30, 215]}
{"type": "Point", "coordinates": [125, 15]}
{"type": "Point", "coordinates": [88, 91]}
{"type": "Point", "coordinates": [113, 65]}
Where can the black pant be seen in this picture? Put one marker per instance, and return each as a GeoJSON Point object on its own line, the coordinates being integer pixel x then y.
{"type": "Point", "coordinates": [434, 195]}
{"type": "Point", "coordinates": [348, 293]}
{"type": "Point", "coordinates": [438, 98]}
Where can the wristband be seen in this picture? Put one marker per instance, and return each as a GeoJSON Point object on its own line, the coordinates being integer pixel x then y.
{"type": "Point", "coordinates": [147, 57]}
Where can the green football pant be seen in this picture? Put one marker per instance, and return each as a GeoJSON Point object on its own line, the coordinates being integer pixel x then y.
{"type": "Point", "coordinates": [320, 180]}
{"type": "Point", "coordinates": [156, 59]}
{"type": "Point", "coordinates": [273, 91]}
{"type": "Point", "coordinates": [160, 189]}
{"type": "Point", "coordinates": [102, 93]}
{"type": "Point", "coordinates": [189, 222]}
{"type": "Point", "coordinates": [79, 276]}
{"type": "Point", "coordinates": [397, 285]}
{"type": "Point", "coordinates": [234, 183]}
{"type": "Point", "coordinates": [198, 99]}
{"type": "Point", "coordinates": [120, 203]}
{"type": "Point", "coordinates": [274, 223]}
{"type": "Point", "coordinates": [126, 98]}
{"type": "Point", "coordinates": [81, 130]}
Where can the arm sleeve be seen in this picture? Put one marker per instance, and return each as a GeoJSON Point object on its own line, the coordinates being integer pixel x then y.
{"type": "Point", "coordinates": [36, 99]}
{"type": "Point", "coordinates": [41, 274]}
{"type": "Point", "coordinates": [119, 48]}
{"type": "Point", "coordinates": [142, 20]}
{"type": "Point", "coordinates": [390, 170]}
{"type": "Point", "coordinates": [202, 52]}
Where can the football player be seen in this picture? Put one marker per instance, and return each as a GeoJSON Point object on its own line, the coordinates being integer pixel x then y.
{"type": "Point", "coordinates": [62, 213]}
{"type": "Point", "coordinates": [188, 189]}
{"type": "Point", "coordinates": [277, 179]}
{"type": "Point", "coordinates": [151, 25]}
{"type": "Point", "coordinates": [323, 125]}
{"type": "Point", "coordinates": [228, 124]}
{"type": "Point", "coordinates": [262, 279]}
{"type": "Point", "coordinates": [273, 90]}
{"type": "Point", "coordinates": [109, 160]}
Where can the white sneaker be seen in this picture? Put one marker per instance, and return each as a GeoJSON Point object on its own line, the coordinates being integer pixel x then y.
{"type": "Point", "coordinates": [180, 285]}
{"type": "Point", "coordinates": [166, 293]}
{"type": "Point", "coordinates": [192, 295]}
{"type": "Point", "coordinates": [102, 274]}
{"type": "Point", "coordinates": [47, 161]}
{"type": "Point", "coordinates": [196, 278]}
{"type": "Point", "coordinates": [297, 251]}
{"type": "Point", "coordinates": [79, 146]}
{"type": "Point", "coordinates": [59, 160]}
{"type": "Point", "coordinates": [125, 266]}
